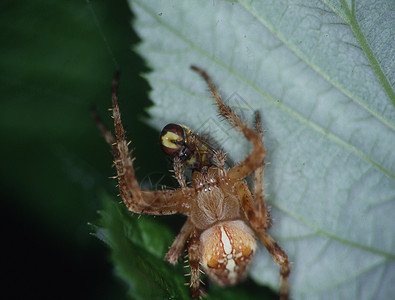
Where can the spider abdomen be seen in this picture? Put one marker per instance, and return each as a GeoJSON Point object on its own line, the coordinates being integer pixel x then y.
{"type": "Point", "coordinates": [226, 251]}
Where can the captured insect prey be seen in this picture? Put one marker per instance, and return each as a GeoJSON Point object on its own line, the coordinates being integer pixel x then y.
{"type": "Point", "coordinates": [225, 218]}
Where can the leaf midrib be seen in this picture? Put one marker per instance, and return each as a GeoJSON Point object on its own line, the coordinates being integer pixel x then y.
{"type": "Point", "coordinates": [281, 105]}
{"type": "Point", "coordinates": [354, 25]}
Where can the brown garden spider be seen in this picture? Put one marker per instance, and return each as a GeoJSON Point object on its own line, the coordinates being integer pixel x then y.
{"type": "Point", "coordinates": [223, 216]}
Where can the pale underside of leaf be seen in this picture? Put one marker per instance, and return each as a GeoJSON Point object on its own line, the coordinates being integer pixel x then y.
{"type": "Point", "coordinates": [329, 116]}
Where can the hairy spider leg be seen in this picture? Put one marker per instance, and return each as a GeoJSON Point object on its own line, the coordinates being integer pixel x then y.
{"type": "Point", "coordinates": [281, 258]}
{"type": "Point", "coordinates": [176, 249]}
{"type": "Point", "coordinates": [178, 245]}
{"type": "Point", "coordinates": [193, 260]}
{"type": "Point", "coordinates": [260, 204]}
{"type": "Point", "coordinates": [136, 200]}
{"type": "Point", "coordinates": [255, 158]}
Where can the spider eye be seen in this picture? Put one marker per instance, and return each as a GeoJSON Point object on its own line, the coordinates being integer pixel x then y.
{"type": "Point", "coordinates": [172, 139]}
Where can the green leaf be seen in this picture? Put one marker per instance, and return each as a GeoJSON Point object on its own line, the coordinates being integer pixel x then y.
{"type": "Point", "coordinates": [321, 74]}
{"type": "Point", "coordinates": [139, 245]}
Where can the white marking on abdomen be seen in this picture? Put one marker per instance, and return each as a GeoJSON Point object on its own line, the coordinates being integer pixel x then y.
{"type": "Point", "coordinates": [230, 266]}
{"type": "Point", "coordinates": [226, 242]}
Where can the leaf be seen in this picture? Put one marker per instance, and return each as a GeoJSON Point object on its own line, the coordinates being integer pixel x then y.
{"type": "Point", "coordinates": [138, 248]}
{"type": "Point", "coordinates": [321, 74]}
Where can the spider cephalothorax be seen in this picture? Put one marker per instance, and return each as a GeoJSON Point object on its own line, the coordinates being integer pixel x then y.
{"type": "Point", "coordinates": [224, 217]}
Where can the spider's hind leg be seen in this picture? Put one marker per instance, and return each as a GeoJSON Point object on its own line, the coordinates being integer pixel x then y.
{"type": "Point", "coordinates": [260, 205]}
{"type": "Point", "coordinates": [178, 245]}
{"type": "Point", "coordinates": [194, 260]}
{"type": "Point", "coordinates": [279, 257]}
{"type": "Point", "coordinates": [259, 224]}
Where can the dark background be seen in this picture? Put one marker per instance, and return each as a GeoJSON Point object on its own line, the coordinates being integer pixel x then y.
{"type": "Point", "coordinates": [57, 58]}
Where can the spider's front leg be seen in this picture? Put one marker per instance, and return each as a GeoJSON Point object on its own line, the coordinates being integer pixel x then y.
{"type": "Point", "coordinates": [136, 200]}
{"type": "Point", "coordinates": [178, 245]}
{"type": "Point", "coordinates": [255, 158]}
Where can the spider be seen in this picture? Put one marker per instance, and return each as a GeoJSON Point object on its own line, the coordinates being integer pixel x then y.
{"type": "Point", "coordinates": [224, 217]}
